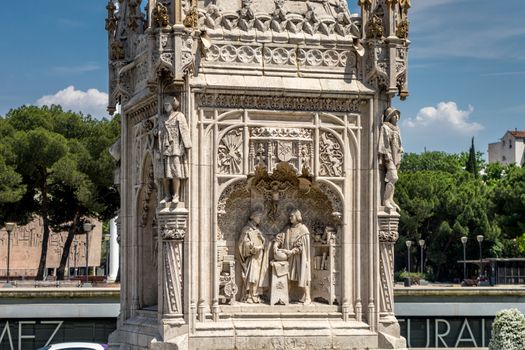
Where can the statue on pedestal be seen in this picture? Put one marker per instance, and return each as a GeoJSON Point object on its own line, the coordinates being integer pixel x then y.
{"type": "Point", "coordinates": [174, 144]}
{"type": "Point", "coordinates": [390, 151]}
{"type": "Point", "coordinates": [254, 262]}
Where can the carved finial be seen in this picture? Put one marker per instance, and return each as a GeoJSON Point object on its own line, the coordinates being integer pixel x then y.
{"type": "Point", "coordinates": [366, 4]}
{"type": "Point", "coordinates": [375, 28]}
{"type": "Point", "coordinates": [402, 29]}
{"type": "Point", "coordinates": [160, 15]}
{"type": "Point", "coordinates": [111, 21]}
{"type": "Point", "coordinates": [192, 18]}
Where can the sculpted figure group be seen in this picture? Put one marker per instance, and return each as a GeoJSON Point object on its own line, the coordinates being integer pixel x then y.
{"type": "Point", "coordinates": [292, 244]}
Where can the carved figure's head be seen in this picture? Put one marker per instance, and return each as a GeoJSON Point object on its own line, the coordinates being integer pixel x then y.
{"type": "Point", "coordinates": [171, 104]}
{"type": "Point", "coordinates": [256, 216]}
{"type": "Point", "coordinates": [295, 216]}
{"type": "Point", "coordinates": [392, 115]}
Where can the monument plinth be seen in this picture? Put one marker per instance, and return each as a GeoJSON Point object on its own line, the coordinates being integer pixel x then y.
{"type": "Point", "coordinates": [259, 156]}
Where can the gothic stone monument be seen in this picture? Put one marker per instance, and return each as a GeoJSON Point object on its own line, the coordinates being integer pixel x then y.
{"type": "Point", "coordinates": [258, 162]}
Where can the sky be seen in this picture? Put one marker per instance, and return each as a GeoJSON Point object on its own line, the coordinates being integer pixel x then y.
{"type": "Point", "coordinates": [466, 66]}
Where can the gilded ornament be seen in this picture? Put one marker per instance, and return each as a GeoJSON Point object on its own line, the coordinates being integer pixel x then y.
{"type": "Point", "coordinates": [160, 15]}
{"type": "Point", "coordinates": [192, 18]}
{"type": "Point", "coordinates": [375, 28]}
{"type": "Point", "coordinates": [402, 29]}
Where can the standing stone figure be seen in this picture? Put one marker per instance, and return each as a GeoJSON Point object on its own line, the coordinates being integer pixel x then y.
{"type": "Point", "coordinates": [252, 258]}
{"type": "Point", "coordinates": [297, 241]}
{"type": "Point", "coordinates": [390, 152]}
{"type": "Point", "coordinates": [174, 143]}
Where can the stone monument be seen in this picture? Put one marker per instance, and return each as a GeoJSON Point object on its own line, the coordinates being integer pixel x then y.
{"type": "Point", "coordinates": [259, 155]}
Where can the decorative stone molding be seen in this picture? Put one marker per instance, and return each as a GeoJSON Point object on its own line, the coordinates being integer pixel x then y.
{"type": "Point", "coordinates": [293, 56]}
{"type": "Point", "coordinates": [173, 226]}
{"type": "Point", "coordinates": [388, 235]}
{"type": "Point", "coordinates": [280, 103]}
{"type": "Point", "coordinates": [388, 225]}
{"type": "Point", "coordinates": [230, 153]}
{"type": "Point", "coordinates": [331, 156]}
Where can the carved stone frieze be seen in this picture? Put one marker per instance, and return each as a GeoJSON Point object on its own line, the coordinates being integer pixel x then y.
{"type": "Point", "coordinates": [293, 56]}
{"type": "Point", "coordinates": [314, 19]}
{"type": "Point", "coordinates": [280, 103]}
{"type": "Point", "coordinates": [269, 146]}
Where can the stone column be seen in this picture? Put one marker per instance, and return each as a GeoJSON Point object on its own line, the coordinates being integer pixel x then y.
{"type": "Point", "coordinates": [389, 330]}
{"type": "Point", "coordinates": [173, 228]}
{"type": "Point", "coordinates": [113, 251]}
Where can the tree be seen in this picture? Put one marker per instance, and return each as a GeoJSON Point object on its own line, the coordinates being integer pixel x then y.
{"type": "Point", "coordinates": [471, 164]}
{"type": "Point", "coordinates": [440, 202]}
{"type": "Point", "coordinates": [63, 160]}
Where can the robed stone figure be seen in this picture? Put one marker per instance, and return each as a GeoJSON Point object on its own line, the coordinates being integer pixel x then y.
{"type": "Point", "coordinates": [253, 259]}
{"type": "Point", "coordinates": [297, 241]}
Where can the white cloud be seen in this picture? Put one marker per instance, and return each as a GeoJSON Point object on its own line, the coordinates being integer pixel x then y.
{"type": "Point", "coordinates": [90, 67]}
{"type": "Point", "coordinates": [92, 101]}
{"type": "Point", "coordinates": [445, 116]}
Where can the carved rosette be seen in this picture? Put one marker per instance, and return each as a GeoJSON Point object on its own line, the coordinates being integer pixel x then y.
{"type": "Point", "coordinates": [388, 235]}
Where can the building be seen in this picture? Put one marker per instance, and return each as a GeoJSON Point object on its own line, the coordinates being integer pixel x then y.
{"type": "Point", "coordinates": [248, 125]}
{"type": "Point", "coordinates": [26, 247]}
{"type": "Point", "coordinates": [510, 149]}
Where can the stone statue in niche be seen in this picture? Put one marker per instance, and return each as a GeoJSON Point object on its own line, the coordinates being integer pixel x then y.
{"type": "Point", "coordinates": [253, 259]}
{"type": "Point", "coordinates": [390, 151]}
{"type": "Point", "coordinates": [297, 241]}
{"type": "Point", "coordinates": [174, 142]}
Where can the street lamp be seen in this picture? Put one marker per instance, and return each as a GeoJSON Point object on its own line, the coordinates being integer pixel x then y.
{"type": "Point", "coordinates": [9, 227]}
{"type": "Point", "coordinates": [75, 244]}
{"type": "Point", "coordinates": [464, 240]}
{"type": "Point", "coordinates": [408, 244]}
{"type": "Point", "coordinates": [480, 239]}
{"type": "Point", "coordinates": [87, 226]}
{"type": "Point", "coordinates": [422, 246]}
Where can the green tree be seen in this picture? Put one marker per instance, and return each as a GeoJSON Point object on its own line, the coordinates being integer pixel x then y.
{"type": "Point", "coordinates": [65, 166]}
{"type": "Point", "coordinates": [440, 202]}
{"type": "Point", "coordinates": [471, 165]}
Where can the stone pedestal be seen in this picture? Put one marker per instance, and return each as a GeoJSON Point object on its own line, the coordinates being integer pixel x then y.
{"type": "Point", "coordinates": [279, 289]}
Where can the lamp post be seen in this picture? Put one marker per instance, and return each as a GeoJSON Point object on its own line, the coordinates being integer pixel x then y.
{"type": "Point", "coordinates": [87, 226]}
{"type": "Point", "coordinates": [9, 227]}
{"type": "Point", "coordinates": [480, 240]}
{"type": "Point", "coordinates": [464, 240]}
{"type": "Point", "coordinates": [408, 244]}
{"type": "Point", "coordinates": [422, 247]}
{"type": "Point", "coordinates": [75, 260]}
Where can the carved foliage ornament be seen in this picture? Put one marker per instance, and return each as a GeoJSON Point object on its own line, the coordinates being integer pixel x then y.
{"type": "Point", "coordinates": [402, 29]}
{"type": "Point", "coordinates": [375, 28]}
{"type": "Point", "coordinates": [331, 156]}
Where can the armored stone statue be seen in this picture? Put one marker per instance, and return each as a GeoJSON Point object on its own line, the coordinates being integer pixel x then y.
{"type": "Point", "coordinates": [174, 144]}
{"type": "Point", "coordinates": [254, 262]}
{"type": "Point", "coordinates": [297, 240]}
{"type": "Point", "coordinates": [390, 151]}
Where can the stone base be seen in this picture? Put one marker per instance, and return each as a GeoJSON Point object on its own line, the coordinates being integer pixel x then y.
{"type": "Point", "coordinates": [316, 329]}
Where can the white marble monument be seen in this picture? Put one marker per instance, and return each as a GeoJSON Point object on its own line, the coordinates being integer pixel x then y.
{"type": "Point", "coordinates": [258, 162]}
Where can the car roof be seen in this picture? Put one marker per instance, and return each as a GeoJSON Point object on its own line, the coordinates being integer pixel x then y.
{"type": "Point", "coordinates": [74, 345]}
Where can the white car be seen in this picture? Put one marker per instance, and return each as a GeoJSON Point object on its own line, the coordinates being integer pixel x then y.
{"type": "Point", "coordinates": [75, 346]}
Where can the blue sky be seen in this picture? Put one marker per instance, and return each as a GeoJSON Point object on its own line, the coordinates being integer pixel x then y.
{"type": "Point", "coordinates": [466, 73]}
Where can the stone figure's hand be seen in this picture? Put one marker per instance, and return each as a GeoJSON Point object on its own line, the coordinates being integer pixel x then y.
{"type": "Point", "coordinates": [295, 251]}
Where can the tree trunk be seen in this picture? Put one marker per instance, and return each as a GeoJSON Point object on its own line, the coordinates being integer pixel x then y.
{"type": "Point", "coordinates": [67, 246]}
{"type": "Point", "coordinates": [45, 236]}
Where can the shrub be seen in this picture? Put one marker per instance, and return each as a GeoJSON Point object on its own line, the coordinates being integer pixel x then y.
{"type": "Point", "coordinates": [415, 277]}
{"type": "Point", "coordinates": [508, 331]}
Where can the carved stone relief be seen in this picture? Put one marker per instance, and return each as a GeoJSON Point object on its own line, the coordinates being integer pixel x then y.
{"type": "Point", "coordinates": [280, 103]}
{"type": "Point", "coordinates": [269, 146]}
{"type": "Point", "coordinates": [230, 152]}
{"type": "Point", "coordinates": [275, 195]}
{"type": "Point", "coordinates": [331, 156]}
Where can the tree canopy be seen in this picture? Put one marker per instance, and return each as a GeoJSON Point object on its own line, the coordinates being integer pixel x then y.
{"type": "Point", "coordinates": [443, 197]}
{"type": "Point", "coordinates": [58, 167]}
